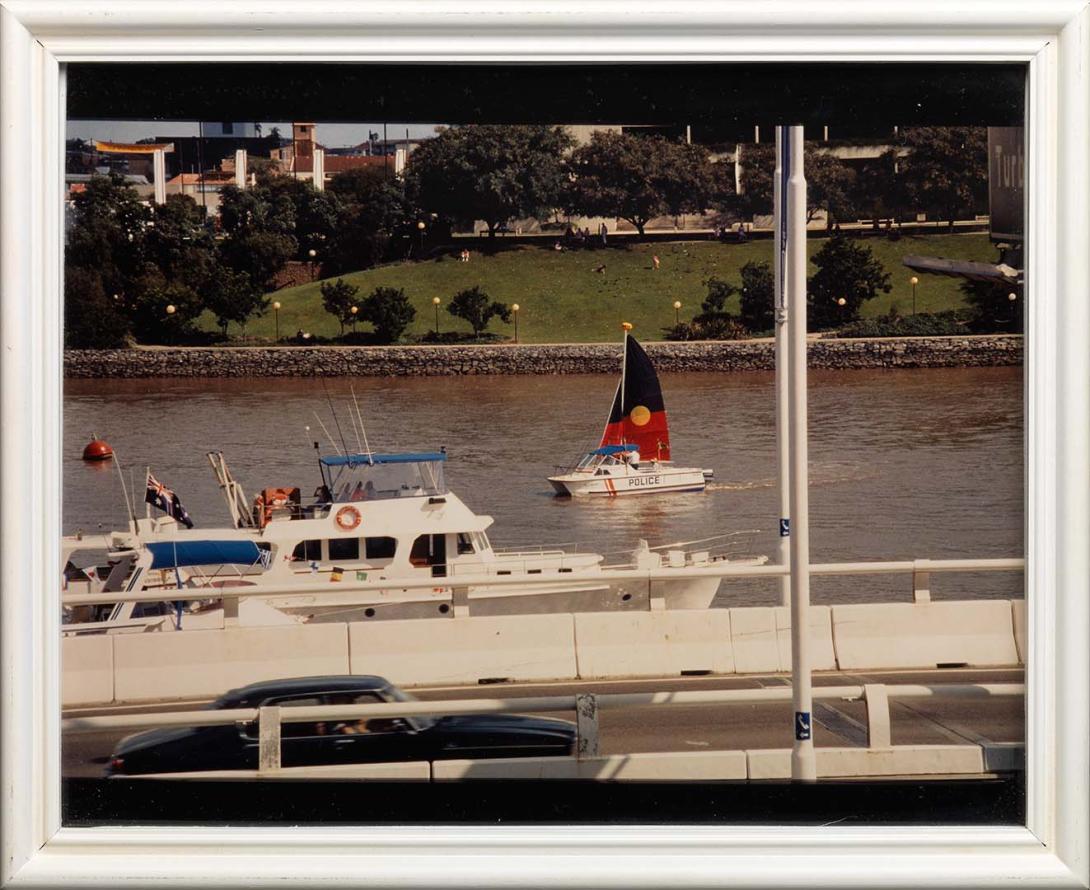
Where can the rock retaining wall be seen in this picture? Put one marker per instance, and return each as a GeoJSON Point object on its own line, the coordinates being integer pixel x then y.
{"type": "Point", "coordinates": [588, 358]}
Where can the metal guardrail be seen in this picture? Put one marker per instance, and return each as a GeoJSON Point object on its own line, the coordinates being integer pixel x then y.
{"type": "Point", "coordinates": [920, 569]}
{"type": "Point", "coordinates": [586, 706]}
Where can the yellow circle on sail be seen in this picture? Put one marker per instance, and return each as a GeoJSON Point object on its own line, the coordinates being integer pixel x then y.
{"type": "Point", "coordinates": [639, 415]}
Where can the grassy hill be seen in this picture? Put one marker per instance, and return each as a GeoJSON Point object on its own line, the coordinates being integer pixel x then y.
{"type": "Point", "coordinates": [563, 298]}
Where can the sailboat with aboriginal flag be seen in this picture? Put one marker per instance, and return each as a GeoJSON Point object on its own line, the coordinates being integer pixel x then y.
{"type": "Point", "coordinates": [634, 454]}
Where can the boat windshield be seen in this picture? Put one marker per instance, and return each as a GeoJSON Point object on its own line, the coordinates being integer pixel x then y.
{"type": "Point", "coordinates": [383, 481]}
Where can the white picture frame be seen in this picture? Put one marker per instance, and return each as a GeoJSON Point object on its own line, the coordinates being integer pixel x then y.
{"type": "Point", "coordinates": [1051, 36]}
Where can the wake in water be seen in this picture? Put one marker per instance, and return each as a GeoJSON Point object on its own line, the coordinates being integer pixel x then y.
{"type": "Point", "coordinates": [821, 473]}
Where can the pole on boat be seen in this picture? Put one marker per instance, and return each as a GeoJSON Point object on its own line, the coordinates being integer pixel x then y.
{"type": "Point", "coordinates": [803, 763]}
{"type": "Point", "coordinates": [626, 327]}
{"type": "Point", "coordinates": [783, 462]}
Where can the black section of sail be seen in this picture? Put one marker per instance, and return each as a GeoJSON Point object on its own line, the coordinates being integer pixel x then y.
{"type": "Point", "coordinates": [640, 386]}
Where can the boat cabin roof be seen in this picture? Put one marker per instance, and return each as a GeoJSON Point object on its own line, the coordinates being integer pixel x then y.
{"type": "Point", "coordinates": [357, 460]}
{"type": "Point", "coordinates": [614, 449]}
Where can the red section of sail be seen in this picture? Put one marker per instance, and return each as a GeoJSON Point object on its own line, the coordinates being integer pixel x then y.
{"type": "Point", "coordinates": [652, 438]}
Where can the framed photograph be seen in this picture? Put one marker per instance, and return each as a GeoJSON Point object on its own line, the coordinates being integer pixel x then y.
{"type": "Point", "coordinates": [272, 243]}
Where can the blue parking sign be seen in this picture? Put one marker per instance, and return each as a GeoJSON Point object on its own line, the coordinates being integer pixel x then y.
{"type": "Point", "coordinates": [785, 528]}
{"type": "Point", "coordinates": [802, 725]}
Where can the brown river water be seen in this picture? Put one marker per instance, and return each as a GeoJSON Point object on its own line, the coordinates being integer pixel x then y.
{"type": "Point", "coordinates": [903, 464]}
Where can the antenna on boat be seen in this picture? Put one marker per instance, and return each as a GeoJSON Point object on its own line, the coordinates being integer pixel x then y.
{"type": "Point", "coordinates": [333, 411]}
{"type": "Point", "coordinates": [363, 429]}
{"type": "Point", "coordinates": [124, 491]}
{"type": "Point", "coordinates": [324, 430]}
{"type": "Point", "coordinates": [356, 430]}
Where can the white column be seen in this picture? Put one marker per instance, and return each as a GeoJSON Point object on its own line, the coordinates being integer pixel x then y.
{"type": "Point", "coordinates": [159, 174]}
{"type": "Point", "coordinates": [319, 169]}
{"type": "Point", "coordinates": [803, 765]}
{"type": "Point", "coordinates": [241, 165]}
{"type": "Point", "coordinates": [779, 298]}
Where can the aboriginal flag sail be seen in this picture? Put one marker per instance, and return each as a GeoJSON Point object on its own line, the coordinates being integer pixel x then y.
{"type": "Point", "coordinates": [638, 416]}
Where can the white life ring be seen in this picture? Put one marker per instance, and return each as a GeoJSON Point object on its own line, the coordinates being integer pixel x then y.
{"type": "Point", "coordinates": [347, 518]}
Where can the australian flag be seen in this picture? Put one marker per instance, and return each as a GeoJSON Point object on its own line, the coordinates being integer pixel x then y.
{"type": "Point", "coordinates": [158, 495]}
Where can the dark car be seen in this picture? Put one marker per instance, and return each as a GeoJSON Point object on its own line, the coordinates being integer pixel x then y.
{"type": "Point", "coordinates": [375, 740]}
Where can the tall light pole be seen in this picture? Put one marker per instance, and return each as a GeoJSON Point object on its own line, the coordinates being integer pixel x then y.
{"type": "Point", "coordinates": [913, 281]}
{"type": "Point", "coordinates": [435, 302]}
{"type": "Point", "coordinates": [803, 762]}
{"type": "Point", "coordinates": [276, 317]}
{"type": "Point", "coordinates": [677, 313]}
{"type": "Point", "coordinates": [515, 309]}
{"type": "Point", "coordinates": [420, 226]}
{"type": "Point", "coordinates": [312, 253]}
{"type": "Point", "coordinates": [355, 311]}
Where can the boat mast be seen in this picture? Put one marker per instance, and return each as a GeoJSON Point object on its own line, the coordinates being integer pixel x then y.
{"type": "Point", "coordinates": [626, 327]}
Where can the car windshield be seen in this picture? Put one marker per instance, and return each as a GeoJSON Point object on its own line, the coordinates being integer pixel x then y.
{"type": "Point", "coordinates": [417, 723]}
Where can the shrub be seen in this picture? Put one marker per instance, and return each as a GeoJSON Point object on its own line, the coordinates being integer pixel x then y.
{"type": "Point", "coordinates": [758, 297]}
{"type": "Point", "coordinates": [848, 271]}
{"type": "Point", "coordinates": [476, 307]}
{"type": "Point", "coordinates": [389, 311]}
{"type": "Point", "coordinates": [338, 298]}
{"type": "Point", "coordinates": [925, 324]}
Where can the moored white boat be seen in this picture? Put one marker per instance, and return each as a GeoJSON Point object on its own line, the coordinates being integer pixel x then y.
{"type": "Point", "coordinates": [377, 526]}
{"type": "Point", "coordinates": [634, 454]}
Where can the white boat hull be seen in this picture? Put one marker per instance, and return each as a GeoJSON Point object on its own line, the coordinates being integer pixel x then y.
{"type": "Point", "coordinates": [623, 481]}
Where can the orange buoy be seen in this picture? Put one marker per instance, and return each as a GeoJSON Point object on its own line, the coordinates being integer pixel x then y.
{"type": "Point", "coordinates": [97, 450]}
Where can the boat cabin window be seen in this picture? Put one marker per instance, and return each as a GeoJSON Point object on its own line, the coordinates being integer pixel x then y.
{"type": "Point", "coordinates": [344, 548]}
{"type": "Point", "coordinates": [380, 548]}
{"type": "Point", "coordinates": [465, 543]}
{"type": "Point", "coordinates": [383, 481]}
{"type": "Point", "coordinates": [307, 551]}
{"type": "Point", "coordinates": [430, 550]}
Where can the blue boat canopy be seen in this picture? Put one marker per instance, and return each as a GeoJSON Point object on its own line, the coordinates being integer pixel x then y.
{"type": "Point", "coordinates": [355, 460]}
{"type": "Point", "coordinates": [171, 554]}
{"type": "Point", "coordinates": [614, 449]}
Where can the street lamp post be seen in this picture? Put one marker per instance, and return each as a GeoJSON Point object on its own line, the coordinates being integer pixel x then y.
{"type": "Point", "coordinates": [276, 318]}
{"type": "Point", "coordinates": [515, 309]}
{"type": "Point", "coordinates": [1011, 298]}
{"type": "Point", "coordinates": [420, 226]}
{"type": "Point", "coordinates": [435, 302]}
{"type": "Point", "coordinates": [171, 309]}
{"type": "Point", "coordinates": [312, 253]}
{"type": "Point", "coordinates": [913, 281]}
{"type": "Point", "coordinates": [355, 311]}
{"type": "Point", "coordinates": [677, 313]}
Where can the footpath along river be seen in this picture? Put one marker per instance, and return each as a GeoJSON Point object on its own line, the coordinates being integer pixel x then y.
{"type": "Point", "coordinates": [903, 464]}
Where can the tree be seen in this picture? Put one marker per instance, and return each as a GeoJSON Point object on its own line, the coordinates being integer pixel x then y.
{"type": "Point", "coordinates": [260, 255]}
{"type": "Point", "coordinates": [758, 297]}
{"type": "Point", "coordinates": [338, 298]}
{"type": "Point", "coordinates": [945, 170]}
{"type": "Point", "coordinates": [489, 172]}
{"type": "Point", "coordinates": [389, 311]}
{"type": "Point", "coordinates": [829, 183]}
{"type": "Point", "coordinates": [829, 187]}
{"type": "Point", "coordinates": [233, 297]}
{"type": "Point", "coordinates": [91, 319]}
{"type": "Point", "coordinates": [107, 233]}
{"type": "Point", "coordinates": [638, 178]}
{"type": "Point", "coordinates": [991, 307]}
{"type": "Point", "coordinates": [373, 208]}
{"type": "Point", "coordinates": [476, 307]}
{"type": "Point", "coordinates": [848, 271]}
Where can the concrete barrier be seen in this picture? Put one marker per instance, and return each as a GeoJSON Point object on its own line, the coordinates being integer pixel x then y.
{"type": "Point", "coordinates": [902, 760]}
{"type": "Point", "coordinates": [204, 663]}
{"type": "Point", "coordinates": [662, 767]}
{"type": "Point", "coordinates": [418, 771]}
{"type": "Point", "coordinates": [761, 638]}
{"type": "Point", "coordinates": [1021, 630]}
{"type": "Point", "coordinates": [464, 650]}
{"type": "Point", "coordinates": [87, 670]}
{"type": "Point", "coordinates": [907, 635]}
{"type": "Point", "coordinates": [649, 644]}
